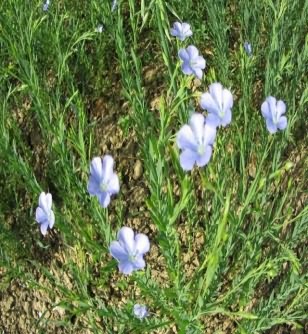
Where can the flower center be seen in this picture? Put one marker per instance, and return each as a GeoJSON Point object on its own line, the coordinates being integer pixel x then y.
{"type": "Point", "coordinates": [132, 257]}
{"type": "Point", "coordinates": [275, 118]}
{"type": "Point", "coordinates": [200, 149]}
{"type": "Point", "coordinates": [103, 186]}
{"type": "Point", "coordinates": [221, 114]}
{"type": "Point", "coordinates": [193, 63]}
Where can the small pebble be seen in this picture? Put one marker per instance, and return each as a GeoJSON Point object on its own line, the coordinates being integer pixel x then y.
{"type": "Point", "coordinates": [138, 170]}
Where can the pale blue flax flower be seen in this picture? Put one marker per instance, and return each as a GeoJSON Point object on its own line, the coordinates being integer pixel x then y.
{"type": "Point", "coordinates": [195, 140]}
{"type": "Point", "coordinates": [129, 250]}
{"type": "Point", "coordinates": [114, 5]}
{"type": "Point", "coordinates": [181, 30]}
{"type": "Point", "coordinates": [44, 214]}
{"type": "Point", "coordinates": [99, 28]}
{"type": "Point", "coordinates": [218, 103]}
{"type": "Point", "coordinates": [248, 48]}
{"type": "Point", "coordinates": [103, 182]}
{"type": "Point", "coordinates": [273, 110]}
{"type": "Point", "coordinates": [46, 5]}
{"type": "Point", "coordinates": [192, 62]}
{"type": "Point", "coordinates": [140, 311]}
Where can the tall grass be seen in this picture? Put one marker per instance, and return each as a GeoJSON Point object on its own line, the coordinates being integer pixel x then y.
{"type": "Point", "coordinates": [247, 204]}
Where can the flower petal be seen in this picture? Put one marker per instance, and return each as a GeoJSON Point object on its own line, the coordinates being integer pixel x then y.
{"type": "Point", "coordinates": [192, 52]}
{"type": "Point", "coordinates": [209, 134]}
{"type": "Point", "coordinates": [51, 219]}
{"type": "Point", "coordinates": [126, 239]}
{"type": "Point", "coordinates": [43, 202]}
{"type": "Point", "coordinates": [186, 139]}
{"type": "Point", "coordinates": [282, 124]}
{"type": "Point", "coordinates": [198, 73]}
{"type": "Point", "coordinates": [142, 243]}
{"type": "Point", "coordinates": [49, 201]}
{"type": "Point", "coordinates": [188, 159]}
{"type": "Point", "coordinates": [173, 32]}
{"type": "Point", "coordinates": [272, 107]}
{"type": "Point", "coordinates": [227, 100]}
{"type": "Point", "coordinates": [139, 263]}
{"type": "Point", "coordinates": [118, 252]}
{"type": "Point", "coordinates": [104, 199]}
{"type": "Point", "coordinates": [200, 62]}
{"type": "Point", "coordinates": [271, 127]}
{"type": "Point", "coordinates": [107, 168]}
{"type": "Point", "coordinates": [216, 92]}
{"type": "Point", "coordinates": [186, 68]}
{"type": "Point", "coordinates": [265, 110]}
{"type": "Point", "coordinates": [213, 120]}
{"type": "Point", "coordinates": [205, 158]}
{"type": "Point", "coordinates": [40, 215]}
{"type": "Point", "coordinates": [183, 55]}
{"type": "Point", "coordinates": [227, 118]}
{"type": "Point", "coordinates": [113, 184]}
{"type": "Point", "coordinates": [93, 186]}
{"type": "Point", "coordinates": [126, 267]}
{"type": "Point", "coordinates": [207, 103]}
{"type": "Point", "coordinates": [44, 228]}
{"type": "Point", "coordinates": [272, 103]}
{"type": "Point", "coordinates": [281, 108]}
{"type": "Point", "coordinates": [177, 26]}
{"type": "Point", "coordinates": [96, 169]}
{"type": "Point", "coordinates": [186, 29]}
{"type": "Point", "coordinates": [196, 123]}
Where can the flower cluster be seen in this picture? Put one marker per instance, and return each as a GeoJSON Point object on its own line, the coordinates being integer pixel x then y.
{"type": "Point", "coordinates": [129, 249]}
{"type": "Point", "coordinates": [195, 140]}
{"type": "Point", "coordinates": [192, 62]}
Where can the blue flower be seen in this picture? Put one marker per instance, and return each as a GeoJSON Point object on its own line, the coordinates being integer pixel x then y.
{"type": "Point", "coordinates": [181, 30]}
{"type": "Point", "coordinates": [114, 5]}
{"type": "Point", "coordinates": [248, 48]}
{"type": "Point", "coordinates": [140, 311]}
{"type": "Point", "coordinates": [46, 5]}
{"type": "Point", "coordinates": [99, 28]}
{"type": "Point", "coordinates": [272, 110]}
{"type": "Point", "coordinates": [44, 215]}
{"type": "Point", "coordinates": [218, 103]}
{"type": "Point", "coordinates": [196, 141]}
{"type": "Point", "coordinates": [103, 182]}
{"type": "Point", "coordinates": [192, 62]}
{"type": "Point", "coordinates": [129, 250]}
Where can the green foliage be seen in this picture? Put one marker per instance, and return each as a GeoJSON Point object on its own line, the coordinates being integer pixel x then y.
{"type": "Point", "coordinates": [247, 203]}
